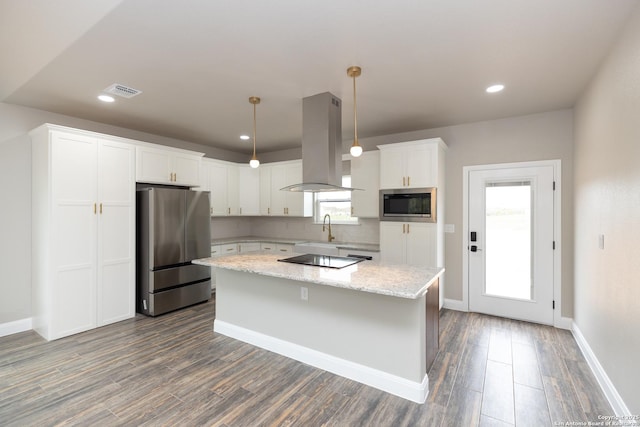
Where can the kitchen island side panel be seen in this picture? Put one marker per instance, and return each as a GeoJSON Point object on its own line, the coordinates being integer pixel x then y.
{"type": "Point", "coordinates": [378, 331]}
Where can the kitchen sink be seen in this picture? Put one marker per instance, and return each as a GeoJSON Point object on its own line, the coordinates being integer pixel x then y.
{"type": "Point", "coordinates": [317, 248]}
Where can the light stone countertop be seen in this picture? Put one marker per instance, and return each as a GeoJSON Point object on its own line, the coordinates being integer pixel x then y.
{"type": "Point", "coordinates": [401, 281]}
{"type": "Point", "coordinates": [367, 247]}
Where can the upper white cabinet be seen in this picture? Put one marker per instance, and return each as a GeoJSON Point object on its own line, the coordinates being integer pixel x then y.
{"type": "Point", "coordinates": [168, 166]}
{"type": "Point", "coordinates": [248, 190]}
{"type": "Point", "coordinates": [83, 233]}
{"type": "Point", "coordinates": [365, 175]}
{"type": "Point", "coordinates": [410, 164]}
{"type": "Point", "coordinates": [275, 202]}
{"type": "Point", "coordinates": [221, 179]}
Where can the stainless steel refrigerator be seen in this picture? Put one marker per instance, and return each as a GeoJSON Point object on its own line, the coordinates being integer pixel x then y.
{"type": "Point", "coordinates": [173, 228]}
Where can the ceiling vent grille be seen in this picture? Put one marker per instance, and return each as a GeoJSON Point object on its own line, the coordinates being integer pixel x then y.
{"type": "Point", "coordinates": [122, 90]}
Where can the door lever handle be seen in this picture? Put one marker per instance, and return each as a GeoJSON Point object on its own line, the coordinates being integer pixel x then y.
{"type": "Point", "coordinates": [474, 248]}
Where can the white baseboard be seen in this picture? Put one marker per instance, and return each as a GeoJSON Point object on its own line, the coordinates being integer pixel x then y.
{"type": "Point", "coordinates": [402, 387]}
{"type": "Point", "coordinates": [15, 327]}
{"type": "Point", "coordinates": [614, 398]}
{"type": "Point", "coordinates": [454, 304]}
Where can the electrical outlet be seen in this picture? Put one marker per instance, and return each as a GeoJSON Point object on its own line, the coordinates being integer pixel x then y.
{"type": "Point", "coordinates": [304, 294]}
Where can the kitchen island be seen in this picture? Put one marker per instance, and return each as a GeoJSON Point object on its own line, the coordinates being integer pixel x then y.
{"type": "Point", "coordinates": [371, 322]}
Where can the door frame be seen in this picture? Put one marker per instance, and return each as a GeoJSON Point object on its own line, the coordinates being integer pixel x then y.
{"type": "Point", "coordinates": [557, 230]}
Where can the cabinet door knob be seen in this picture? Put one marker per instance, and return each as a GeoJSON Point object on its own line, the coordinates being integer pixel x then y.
{"type": "Point", "coordinates": [403, 181]}
{"type": "Point", "coordinates": [94, 208]}
{"type": "Point", "coordinates": [408, 181]}
{"type": "Point", "coordinates": [403, 228]}
{"type": "Point", "coordinates": [100, 208]}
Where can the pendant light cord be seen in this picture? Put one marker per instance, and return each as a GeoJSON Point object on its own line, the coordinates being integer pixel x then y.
{"type": "Point", "coordinates": [355, 112]}
{"type": "Point", "coordinates": [254, 131]}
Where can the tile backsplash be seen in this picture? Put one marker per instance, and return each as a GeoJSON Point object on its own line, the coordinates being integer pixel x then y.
{"type": "Point", "coordinates": [367, 231]}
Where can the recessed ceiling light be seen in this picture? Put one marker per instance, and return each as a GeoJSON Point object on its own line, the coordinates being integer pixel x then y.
{"type": "Point", "coordinates": [244, 137]}
{"type": "Point", "coordinates": [106, 98]}
{"type": "Point", "coordinates": [494, 88]}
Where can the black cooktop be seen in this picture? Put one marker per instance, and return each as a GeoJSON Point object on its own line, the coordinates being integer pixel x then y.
{"type": "Point", "coordinates": [323, 260]}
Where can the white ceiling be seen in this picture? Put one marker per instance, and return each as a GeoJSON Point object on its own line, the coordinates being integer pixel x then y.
{"type": "Point", "coordinates": [425, 63]}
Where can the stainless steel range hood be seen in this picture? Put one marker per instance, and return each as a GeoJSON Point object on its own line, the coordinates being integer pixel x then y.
{"type": "Point", "coordinates": [321, 145]}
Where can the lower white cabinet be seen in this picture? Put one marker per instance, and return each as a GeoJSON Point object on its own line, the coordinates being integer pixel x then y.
{"type": "Point", "coordinates": [83, 233]}
{"type": "Point", "coordinates": [283, 248]}
{"type": "Point", "coordinates": [227, 249]}
{"type": "Point", "coordinates": [246, 247]}
{"type": "Point", "coordinates": [412, 243]}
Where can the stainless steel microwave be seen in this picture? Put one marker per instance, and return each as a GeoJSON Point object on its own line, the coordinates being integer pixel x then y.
{"type": "Point", "coordinates": [408, 205]}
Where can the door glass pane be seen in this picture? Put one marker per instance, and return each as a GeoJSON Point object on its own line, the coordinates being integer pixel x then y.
{"type": "Point", "coordinates": [508, 245]}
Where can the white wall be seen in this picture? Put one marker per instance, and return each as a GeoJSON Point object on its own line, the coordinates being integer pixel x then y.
{"type": "Point", "coordinates": [607, 201]}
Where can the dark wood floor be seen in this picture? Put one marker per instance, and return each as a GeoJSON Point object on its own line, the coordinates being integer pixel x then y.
{"type": "Point", "coordinates": [173, 370]}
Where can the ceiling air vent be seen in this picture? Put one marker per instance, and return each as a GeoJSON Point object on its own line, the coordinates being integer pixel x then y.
{"type": "Point", "coordinates": [122, 90]}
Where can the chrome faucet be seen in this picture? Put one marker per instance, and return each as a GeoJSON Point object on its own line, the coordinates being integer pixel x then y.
{"type": "Point", "coordinates": [330, 237]}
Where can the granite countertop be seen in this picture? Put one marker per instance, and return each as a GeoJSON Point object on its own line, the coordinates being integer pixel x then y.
{"type": "Point", "coordinates": [368, 247]}
{"type": "Point", "coordinates": [401, 281]}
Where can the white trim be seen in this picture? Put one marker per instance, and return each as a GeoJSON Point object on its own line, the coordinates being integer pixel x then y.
{"type": "Point", "coordinates": [558, 320]}
{"type": "Point", "coordinates": [15, 327]}
{"type": "Point", "coordinates": [402, 387]}
{"type": "Point", "coordinates": [455, 304]}
{"type": "Point", "coordinates": [614, 398]}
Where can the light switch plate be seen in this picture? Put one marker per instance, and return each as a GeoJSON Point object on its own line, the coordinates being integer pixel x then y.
{"type": "Point", "coordinates": [449, 228]}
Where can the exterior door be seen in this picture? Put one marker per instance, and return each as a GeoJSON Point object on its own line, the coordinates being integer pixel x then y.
{"type": "Point", "coordinates": [511, 242]}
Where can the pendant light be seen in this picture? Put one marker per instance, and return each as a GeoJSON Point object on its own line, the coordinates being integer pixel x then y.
{"type": "Point", "coordinates": [254, 162]}
{"type": "Point", "coordinates": [356, 148]}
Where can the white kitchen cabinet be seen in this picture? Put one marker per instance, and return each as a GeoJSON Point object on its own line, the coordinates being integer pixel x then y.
{"type": "Point", "coordinates": [246, 247]}
{"type": "Point", "coordinates": [173, 167]}
{"type": "Point", "coordinates": [265, 189]}
{"type": "Point", "coordinates": [226, 249]}
{"type": "Point", "coordinates": [281, 248]}
{"type": "Point", "coordinates": [283, 203]}
{"type": "Point", "coordinates": [83, 233]}
{"type": "Point", "coordinates": [365, 175]}
{"type": "Point", "coordinates": [411, 164]}
{"type": "Point", "coordinates": [248, 190]}
{"type": "Point", "coordinates": [222, 182]}
{"type": "Point", "coordinates": [411, 243]}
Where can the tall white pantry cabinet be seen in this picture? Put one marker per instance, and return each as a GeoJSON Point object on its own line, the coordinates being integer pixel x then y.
{"type": "Point", "coordinates": [83, 235]}
{"type": "Point", "coordinates": [414, 164]}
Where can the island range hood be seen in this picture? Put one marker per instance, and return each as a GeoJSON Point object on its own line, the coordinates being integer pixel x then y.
{"type": "Point", "coordinates": [321, 145]}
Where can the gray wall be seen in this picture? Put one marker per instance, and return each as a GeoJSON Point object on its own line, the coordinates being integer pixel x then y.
{"type": "Point", "coordinates": [607, 201]}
